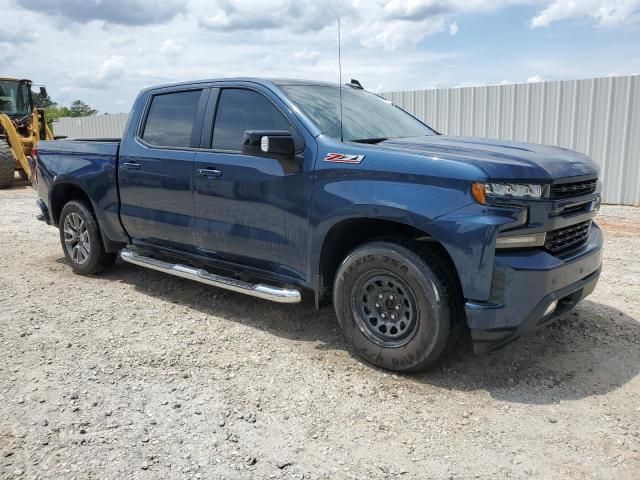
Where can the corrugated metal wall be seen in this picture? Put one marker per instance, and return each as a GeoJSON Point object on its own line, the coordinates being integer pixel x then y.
{"type": "Point", "coordinates": [99, 126]}
{"type": "Point", "coordinates": [599, 117]}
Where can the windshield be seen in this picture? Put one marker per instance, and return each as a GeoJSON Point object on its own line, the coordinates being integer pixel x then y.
{"type": "Point", "coordinates": [365, 116]}
{"type": "Point", "coordinates": [14, 97]}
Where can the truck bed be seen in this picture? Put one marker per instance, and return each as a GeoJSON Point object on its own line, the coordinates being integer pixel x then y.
{"type": "Point", "coordinates": [107, 147]}
{"type": "Point", "coordinates": [91, 168]}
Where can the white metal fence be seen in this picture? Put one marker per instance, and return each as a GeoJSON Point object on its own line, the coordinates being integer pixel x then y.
{"type": "Point", "coordinates": [98, 126]}
{"type": "Point", "coordinates": [599, 117]}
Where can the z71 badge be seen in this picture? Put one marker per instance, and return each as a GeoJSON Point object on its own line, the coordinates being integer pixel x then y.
{"type": "Point", "coordinates": [343, 158]}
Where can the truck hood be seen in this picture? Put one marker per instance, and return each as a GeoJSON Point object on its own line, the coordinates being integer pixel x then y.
{"type": "Point", "coordinates": [501, 160]}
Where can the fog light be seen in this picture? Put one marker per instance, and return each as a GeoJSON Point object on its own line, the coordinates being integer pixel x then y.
{"type": "Point", "coordinates": [551, 308]}
{"type": "Point", "coordinates": [521, 241]}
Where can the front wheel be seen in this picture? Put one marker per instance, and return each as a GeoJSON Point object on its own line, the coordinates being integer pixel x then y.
{"type": "Point", "coordinates": [81, 240]}
{"type": "Point", "coordinates": [396, 305]}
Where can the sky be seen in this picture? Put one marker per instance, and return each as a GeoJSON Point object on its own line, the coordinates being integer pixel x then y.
{"type": "Point", "coordinates": [104, 51]}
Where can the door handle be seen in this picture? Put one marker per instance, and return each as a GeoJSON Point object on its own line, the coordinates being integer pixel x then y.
{"type": "Point", "coordinates": [131, 165]}
{"type": "Point", "coordinates": [209, 172]}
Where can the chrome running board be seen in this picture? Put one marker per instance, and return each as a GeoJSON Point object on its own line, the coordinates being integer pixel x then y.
{"type": "Point", "coordinates": [275, 294]}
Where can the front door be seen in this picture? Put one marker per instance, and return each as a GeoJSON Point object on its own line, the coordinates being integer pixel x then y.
{"type": "Point", "coordinates": [156, 174]}
{"type": "Point", "coordinates": [251, 210]}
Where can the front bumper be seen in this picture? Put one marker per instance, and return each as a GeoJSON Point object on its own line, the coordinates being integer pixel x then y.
{"type": "Point", "coordinates": [523, 286]}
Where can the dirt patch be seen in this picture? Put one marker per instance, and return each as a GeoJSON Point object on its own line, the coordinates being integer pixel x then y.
{"type": "Point", "coordinates": [135, 374]}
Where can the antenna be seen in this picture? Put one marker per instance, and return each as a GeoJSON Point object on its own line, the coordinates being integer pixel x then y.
{"type": "Point", "coordinates": [340, 77]}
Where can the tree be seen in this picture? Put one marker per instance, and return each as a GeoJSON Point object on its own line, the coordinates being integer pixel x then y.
{"type": "Point", "coordinates": [80, 109]}
{"type": "Point", "coordinates": [51, 108]}
{"type": "Point", "coordinates": [54, 111]}
{"type": "Point", "coordinates": [43, 102]}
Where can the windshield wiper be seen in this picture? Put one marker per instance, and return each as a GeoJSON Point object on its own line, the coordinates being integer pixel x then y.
{"type": "Point", "coordinates": [369, 140]}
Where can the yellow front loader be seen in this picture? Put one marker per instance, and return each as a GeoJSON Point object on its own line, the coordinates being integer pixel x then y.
{"type": "Point", "coordinates": [22, 126]}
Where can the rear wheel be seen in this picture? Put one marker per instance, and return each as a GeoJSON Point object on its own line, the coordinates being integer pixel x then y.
{"type": "Point", "coordinates": [396, 305]}
{"type": "Point", "coordinates": [7, 165]}
{"type": "Point", "coordinates": [81, 240]}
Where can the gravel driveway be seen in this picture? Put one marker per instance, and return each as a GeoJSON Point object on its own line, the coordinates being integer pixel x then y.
{"type": "Point", "coordinates": [135, 374]}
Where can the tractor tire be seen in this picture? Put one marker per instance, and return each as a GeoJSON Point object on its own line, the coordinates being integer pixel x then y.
{"type": "Point", "coordinates": [7, 165]}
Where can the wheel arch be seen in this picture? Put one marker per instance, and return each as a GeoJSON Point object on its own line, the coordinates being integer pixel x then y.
{"type": "Point", "coordinates": [64, 192]}
{"type": "Point", "coordinates": [349, 233]}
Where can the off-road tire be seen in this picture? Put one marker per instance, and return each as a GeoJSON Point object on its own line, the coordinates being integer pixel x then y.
{"type": "Point", "coordinates": [436, 301]}
{"type": "Point", "coordinates": [7, 165]}
{"type": "Point", "coordinates": [96, 259]}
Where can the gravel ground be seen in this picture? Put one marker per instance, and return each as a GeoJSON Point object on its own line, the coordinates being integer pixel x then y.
{"type": "Point", "coordinates": [135, 374]}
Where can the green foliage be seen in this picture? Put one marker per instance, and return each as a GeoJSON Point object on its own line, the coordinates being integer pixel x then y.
{"type": "Point", "coordinates": [42, 102]}
{"type": "Point", "coordinates": [53, 111]}
{"type": "Point", "coordinates": [81, 109]}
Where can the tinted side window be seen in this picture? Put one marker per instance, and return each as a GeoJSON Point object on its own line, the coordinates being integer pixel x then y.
{"type": "Point", "coordinates": [170, 119]}
{"type": "Point", "coordinates": [240, 110]}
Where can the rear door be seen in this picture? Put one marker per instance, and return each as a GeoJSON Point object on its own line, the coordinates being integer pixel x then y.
{"type": "Point", "coordinates": [156, 169]}
{"type": "Point", "coordinates": [251, 210]}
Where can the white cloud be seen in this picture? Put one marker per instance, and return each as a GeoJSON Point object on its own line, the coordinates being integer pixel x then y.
{"type": "Point", "coordinates": [390, 24]}
{"type": "Point", "coordinates": [535, 79]}
{"type": "Point", "coordinates": [298, 16]}
{"type": "Point", "coordinates": [370, 24]}
{"type": "Point", "coordinates": [605, 12]}
{"type": "Point", "coordinates": [419, 9]}
{"type": "Point", "coordinates": [171, 48]}
{"type": "Point", "coordinates": [12, 37]}
{"type": "Point", "coordinates": [120, 12]}
{"type": "Point", "coordinates": [112, 68]}
{"type": "Point", "coordinates": [7, 55]}
{"type": "Point", "coordinates": [311, 57]}
{"type": "Point", "coordinates": [396, 34]}
{"type": "Point", "coordinates": [104, 51]}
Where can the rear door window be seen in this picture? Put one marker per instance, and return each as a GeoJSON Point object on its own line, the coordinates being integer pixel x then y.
{"type": "Point", "coordinates": [240, 110]}
{"type": "Point", "coordinates": [171, 118]}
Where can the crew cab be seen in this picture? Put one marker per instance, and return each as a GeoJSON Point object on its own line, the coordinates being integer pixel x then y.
{"type": "Point", "coordinates": [279, 188]}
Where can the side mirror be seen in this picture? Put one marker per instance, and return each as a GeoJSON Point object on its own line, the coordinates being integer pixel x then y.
{"type": "Point", "coordinates": [268, 143]}
{"type": "Point", "coordinates": [43, 92]}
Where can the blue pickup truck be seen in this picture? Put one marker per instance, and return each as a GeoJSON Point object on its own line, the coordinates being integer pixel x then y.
{"type": "Point", "coordinates": [279, 188]}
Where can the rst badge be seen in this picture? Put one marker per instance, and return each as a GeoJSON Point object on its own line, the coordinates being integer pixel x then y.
{"type": "Point", "coordinates": [343, 158]}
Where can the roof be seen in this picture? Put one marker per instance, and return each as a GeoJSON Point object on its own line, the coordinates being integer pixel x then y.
{"type": "Point", "coordinates": [259, 80]}
{"type": "Point", "coordinates": [12, 79]}
{"type": "Point", "coordinates": [298, 81]}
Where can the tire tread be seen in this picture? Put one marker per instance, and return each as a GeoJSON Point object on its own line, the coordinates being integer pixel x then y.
{"type": "Point", "coordinates": [7, 165]}
{"type": "Point", "coordinates": [447, 286]}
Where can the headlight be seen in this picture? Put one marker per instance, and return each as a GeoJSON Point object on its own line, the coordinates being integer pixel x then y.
{"type": "Point", "coordinates": [481, 191]}
{"type": "Point", "coordinates": [518, 190]}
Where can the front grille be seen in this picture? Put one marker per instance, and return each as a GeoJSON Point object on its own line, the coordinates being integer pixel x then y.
{"type": "Point", "coordinates": [567, 237]}
{"type": "Point", "coordinates": [574, 189]}
{"type": "Point", "coordinates": [576, 209]}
